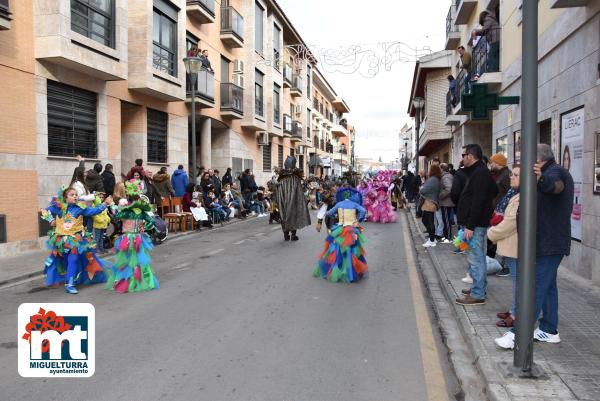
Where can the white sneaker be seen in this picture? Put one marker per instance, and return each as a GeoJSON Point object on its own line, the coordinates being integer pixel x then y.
{"type": "Point", "coordinates": [429, 244]}
{"type": "Point", "coordinates": [468, 279]}
{"type": "Point", "coordinates": [445, 241]}
{"type": "Point", "coordinates": [540, 335]}
{"type": "Point", "coordinates": [507, 341]}
{"type": "Point", "coordinates": [253, 214]}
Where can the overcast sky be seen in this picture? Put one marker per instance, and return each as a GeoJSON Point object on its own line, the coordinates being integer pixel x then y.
{"type": "Point", "coordinates": [378, 105]}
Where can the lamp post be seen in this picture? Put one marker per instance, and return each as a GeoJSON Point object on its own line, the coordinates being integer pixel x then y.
{"type": "Point", "coordinates": [193, 65]}
{"type": "Point", "coordinates": [405, 161]}
{"type": "Point", "coordinates": [418, 103]}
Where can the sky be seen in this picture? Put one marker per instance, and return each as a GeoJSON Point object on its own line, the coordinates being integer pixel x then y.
{"type": "Point", "coordinates": [378, 98]}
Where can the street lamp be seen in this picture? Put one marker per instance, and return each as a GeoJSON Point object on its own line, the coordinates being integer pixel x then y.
{"type": "Point", "coordinates": [193, 65]}
{"type": "Point", "coordinates": [405, 163]}
{"type": "Point", "coordinates": [418, 103]}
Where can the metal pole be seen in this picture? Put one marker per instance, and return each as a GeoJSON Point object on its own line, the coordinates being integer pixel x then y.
{"type": "Point", "coordinates": [417, 128]}
{"type": "Point", "coordinates": [193, 170]}
{"type": "Point", "coordinates": [523, 354]}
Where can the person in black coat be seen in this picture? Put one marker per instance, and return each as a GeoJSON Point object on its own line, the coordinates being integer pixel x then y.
{"type": "Point", "coordinates": [227, 178]}
{"type": "Point", "coordinates": [108, 178]}
{"type": "Point", "coordinates": [458, 184]}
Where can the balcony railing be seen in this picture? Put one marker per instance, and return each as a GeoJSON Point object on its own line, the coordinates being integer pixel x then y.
{"type": "Point", "coordinates": [297, 83]}
{"type": "Point", "coordinates": [207, 5]}
{"type": "Point", "coordinates": [450, 27]}
{"type": "Point", "coordinates": [461, 84]}
{"type": "Point", "coordinates": [457, 4]}
{"type": "Point", "coordinates": [287, 123]}
{"type": "Point", "coordinates": [232, 97]}
{"type": "Point", "coordinates": [205, 85]}
{"type": "Point", "coordinates": [287, 73]}
{"type": "Point", "coordinates": [296, 129]}
{"type": "Point", "coordinates": [486, 54]}
{"type": "Point", "coordinates": [232, 22]}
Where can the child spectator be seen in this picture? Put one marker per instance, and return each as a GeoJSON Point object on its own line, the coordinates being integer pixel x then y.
{"type": "Point", "coordinates": [100, 223]}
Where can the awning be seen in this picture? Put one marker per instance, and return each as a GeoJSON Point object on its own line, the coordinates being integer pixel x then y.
{"type": "Point", "coordinates": [326, 161]}
{"type": "Point", "coordinates": [315, 160]}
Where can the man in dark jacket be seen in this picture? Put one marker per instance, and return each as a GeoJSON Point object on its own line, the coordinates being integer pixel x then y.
{"type": "Point", "coordinates": [458, 184]}
{"type": "Point", "coordinates": [93, 180]}
{"type": "Point", "coordinates": [555, 191]}
{"type": "Point", "coordinates": [179, 181]}
{"type": "Point", "coordinates": [473, 213]}
{"type": "Point", "coordinates": [227, 178]}
{"type": "Point", "coordinates": [214, 177]}
{"type": "Point", "coordinates": [108, 179]}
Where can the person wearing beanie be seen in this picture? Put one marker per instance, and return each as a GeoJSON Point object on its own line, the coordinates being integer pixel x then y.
{"type": "Point", "coordinates": [498, 165]}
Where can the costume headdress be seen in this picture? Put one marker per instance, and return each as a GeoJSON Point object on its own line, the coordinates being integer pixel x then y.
{"type": "Point", "coordinates": [348, 193]}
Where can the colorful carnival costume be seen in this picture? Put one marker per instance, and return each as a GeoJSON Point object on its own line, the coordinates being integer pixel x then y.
{"type": "Point", "coordinates": [378, 204]}
{"type": "Point", "coordinates": [132, 271]}
{"type": "Point", "coordinates": [72, 258]}
{"type": "Point", "coordinates": [343, 258]}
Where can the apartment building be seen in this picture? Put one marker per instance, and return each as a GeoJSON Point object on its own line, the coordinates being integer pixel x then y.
{"type": "Point", "coordinates": [568, 105]}
{"type": "Point", "coordinates": [406, 152]}
{"type": "Point", "coordinates": [430, 83]}
{"type": "Point", "coordinates": [106, 80]}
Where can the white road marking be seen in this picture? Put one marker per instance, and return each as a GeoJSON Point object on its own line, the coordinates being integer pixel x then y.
{"type": "Point", "coordinates": [215, 251]}
{"type": "Point", "coordinates": [239, 242]}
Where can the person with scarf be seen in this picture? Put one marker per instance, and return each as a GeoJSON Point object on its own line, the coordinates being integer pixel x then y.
{"type": "Point", "coordinates": [504, 234]}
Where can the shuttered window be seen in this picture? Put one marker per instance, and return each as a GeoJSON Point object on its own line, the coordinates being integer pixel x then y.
{"type": "Point", "coordinates": [280, 155]}
{"type": "Point", "coordinates": [157, 136]}
{"type": "Point", "coordinates": [71, 121]}
{"type": "Point", "coordinates": [266, 157]}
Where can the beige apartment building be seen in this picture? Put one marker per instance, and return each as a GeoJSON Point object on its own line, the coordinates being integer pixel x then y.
{"type": "Point", "coordinates": [568, 99]}
{"type": "Point", "coordinates": [106, 80]}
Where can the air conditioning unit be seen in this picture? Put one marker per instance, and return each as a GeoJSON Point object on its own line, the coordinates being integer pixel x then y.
{"type": "Point", "coordinates": [298, 109]}
{"type": "Point", "coordinates": [238, 67]}
{"type": "Point", "coordinates": [263, 138]}
{"type": "Point", "coordinates": [238, 80]}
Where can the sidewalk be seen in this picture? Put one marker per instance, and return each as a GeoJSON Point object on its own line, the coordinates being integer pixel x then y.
{"type": "Point", "coordinates": [31, 264]}
{"type": "Point", "coordinates": [570, 370]}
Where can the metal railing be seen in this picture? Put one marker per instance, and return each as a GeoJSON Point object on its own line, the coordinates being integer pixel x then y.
{"type": "Point", "coordinates": [232, 22]}
{"type": "Point", "coordinates": [205, 85]}
{"type": "Point", "coordinates": [287, 72]}
{"type": "Point", "coordinates": [296, 129]}
{"type": "Point", "coordinates": [4, 9]}
{"type": "Point", "coordinates": [461, 84]}
{"type": "Point", "coordinates": [208, 5]}
{"type": "Point", "coordinates": [232, 97]}
{"type": "Point", "coordinates": [450, 27]}
{"type": "Point", "coordinates": [297, 83]}
{"type": "Point", "coordinates": [486, 54]}
{"type": "Point", "coordinates": [457, 4]}
{"type": "Point", "coordinates": [287, 123]}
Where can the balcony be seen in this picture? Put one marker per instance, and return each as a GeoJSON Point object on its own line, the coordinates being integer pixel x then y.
{"type": "Point", "coordinates": [4, 15]}
{"type": "Point", "coordinates": [232, 27]}
{"type": "Point", "coordinates": [569, 3]}
{"type": "Point", "coordinates": [232, 101]}
{"type": "Point", "coordinates": [451, 117]}
{"type": "Point", "coordinates": [486, 59]}
{"type": "Point", "coordinates": [296, 89]}
{"type": "Point", "coordinates": [287, 75]}
{"type": "Point", "coordinates": [202, 11]}
{"type": "Point", "coordinates": [464, 8]}
{"type": "Point", "coordinates": [452, 32]}
{"type": "Point", "coordinates": [338, 130]}
{"type": "Point", "coordinates": [204, 90]}
{"type": "Point", "coordinates": [297, 131]}
{"type": "Point", "coordinates": [287, 125]}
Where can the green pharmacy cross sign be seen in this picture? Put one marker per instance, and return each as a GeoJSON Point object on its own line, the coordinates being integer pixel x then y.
{"type": "Point", "coordinates": [479, 102]}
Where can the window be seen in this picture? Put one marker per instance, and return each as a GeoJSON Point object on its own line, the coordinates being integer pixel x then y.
{"type": "Point", "coordinates": [4, 9]}
{"type": "Point", "coordinates": [237, 166]}
{"type": "Point", "coordinates": [308, 123]}
{"type": "Point", "coordinates": [280, 156]}
{"type": "Point", "coordinates": [191, 42]}
{"type": "Point", "coordinates": [71, 121]}
{"type": "Point", "coordinates": [276, 46]}
{"type": "Point", "coordinates": [502, 145]}
{"type": "Point", "coordinates": [157, 136]}
{"type": "Point", "coordinates": [276, 104]}
{"type": "Point", "coordinates": [225, 66]}
{"type": "Point", "coordinates": [308, 81]}
{"type": "Point", "coordinates": [292, 152]}
{"type": "Point", "coordinates": [248, 163]}
{"type": "Point", "coordinates": [164, 37]}
{"type": "Point", "coordinates": [94, 19]}
{"type": "Point", "coordinates": [266, 156]}
{"type": "Point", "coordinates": [258, 27]}
{"type": "Point", "coordinates": [258, 94]}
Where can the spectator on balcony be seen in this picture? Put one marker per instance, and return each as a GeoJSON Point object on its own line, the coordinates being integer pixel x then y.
{"type": "Point", "coordinates": [465, 66]}
{"type": "Point", "coordinates": [453, 87]}
{"type": "Point", "coordinates": [491, 30]}
{"type": "Point", "coordinates": [193, 51]}
{"type": "Point", "coordinates": [205, 61]}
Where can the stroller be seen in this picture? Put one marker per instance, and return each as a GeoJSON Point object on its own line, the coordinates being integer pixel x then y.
{"type": "Point", "coordinates": [159, 232]}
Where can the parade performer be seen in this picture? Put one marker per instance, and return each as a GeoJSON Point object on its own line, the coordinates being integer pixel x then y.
{"type": "Point", "coordinates": [132, 271]}
{"type": "Point", "coordinates": [72, 258]}
{"type": "Point", "coordinates": [343, 258]}
{"type": "Point", "coordinates": [293, 211]}
{"type": "Point", "coordinates": [327, 203]}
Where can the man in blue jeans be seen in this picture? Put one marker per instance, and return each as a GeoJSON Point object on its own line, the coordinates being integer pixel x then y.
{"type": "Point", "coordinates": [473, 213]}
{"type": "Point", "coordinates": [554, 206]}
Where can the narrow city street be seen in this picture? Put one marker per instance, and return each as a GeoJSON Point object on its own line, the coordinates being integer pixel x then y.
{"type": "Point", "coordinates": [240, 317]}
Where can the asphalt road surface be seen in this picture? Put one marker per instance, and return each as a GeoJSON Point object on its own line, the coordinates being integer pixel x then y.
{"type": "Point", "coordinates": [240, 317]}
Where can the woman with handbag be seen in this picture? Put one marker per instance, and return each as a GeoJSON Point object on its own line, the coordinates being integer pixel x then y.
{"type": "Point", "coordinates": [430, 192]}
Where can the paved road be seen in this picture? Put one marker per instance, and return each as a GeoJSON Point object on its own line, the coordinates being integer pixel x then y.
{"type": "Point", "coordinates": [240, 317]}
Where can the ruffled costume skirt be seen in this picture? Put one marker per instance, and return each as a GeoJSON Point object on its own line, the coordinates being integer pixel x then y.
{"type": "Point", "coordinates": [77, 252]}
{"type": "Point", "coordinates": [343, 258]}
{"type": "Point", "coordinates": [131, 271]}
{"type": "Point", "coordinates": [381, 212]}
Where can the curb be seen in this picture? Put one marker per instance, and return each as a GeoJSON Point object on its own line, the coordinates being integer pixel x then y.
{"type": "Point", "coordinates": [171, 237]}
{"type": "Point", "coordinates": [478, 357]}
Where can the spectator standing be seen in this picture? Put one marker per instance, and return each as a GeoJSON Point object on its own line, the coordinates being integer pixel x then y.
{"type": "Point", "coordinates": [216, 181]}
{"type": "Point", "coordinates": [491, 30]}
{"type": "Point", "coordinates": [465, 65]}
{"type": "Point", "coordinates": [227, 178]}
{"type": "Point", "coordinates": [501, 172]}
{"type": "Point", "coordinates": [108, 179]}
{"type": "Point", "coordinates": [473, 213]}
{"type": "Point", "coordinates": [446, 204]}
{"type": "Point", "coordinates": [100, 224]}
{"type": "Point", "coordinates": [93, 180]}
{"type": "Point", "coordinates": [453, 88]}
{"type": "Point", "coordinates": [139, 168]}
{"type": "Point", "coordinates": [162, 181]}
{"type": "Point", "coordinates": [179, 181]}
{"type": "Point", "coordinates": [430, 194]}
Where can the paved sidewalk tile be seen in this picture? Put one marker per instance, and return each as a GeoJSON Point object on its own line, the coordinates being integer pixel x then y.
{"type": "Point", "coordinates": [573, 366]}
